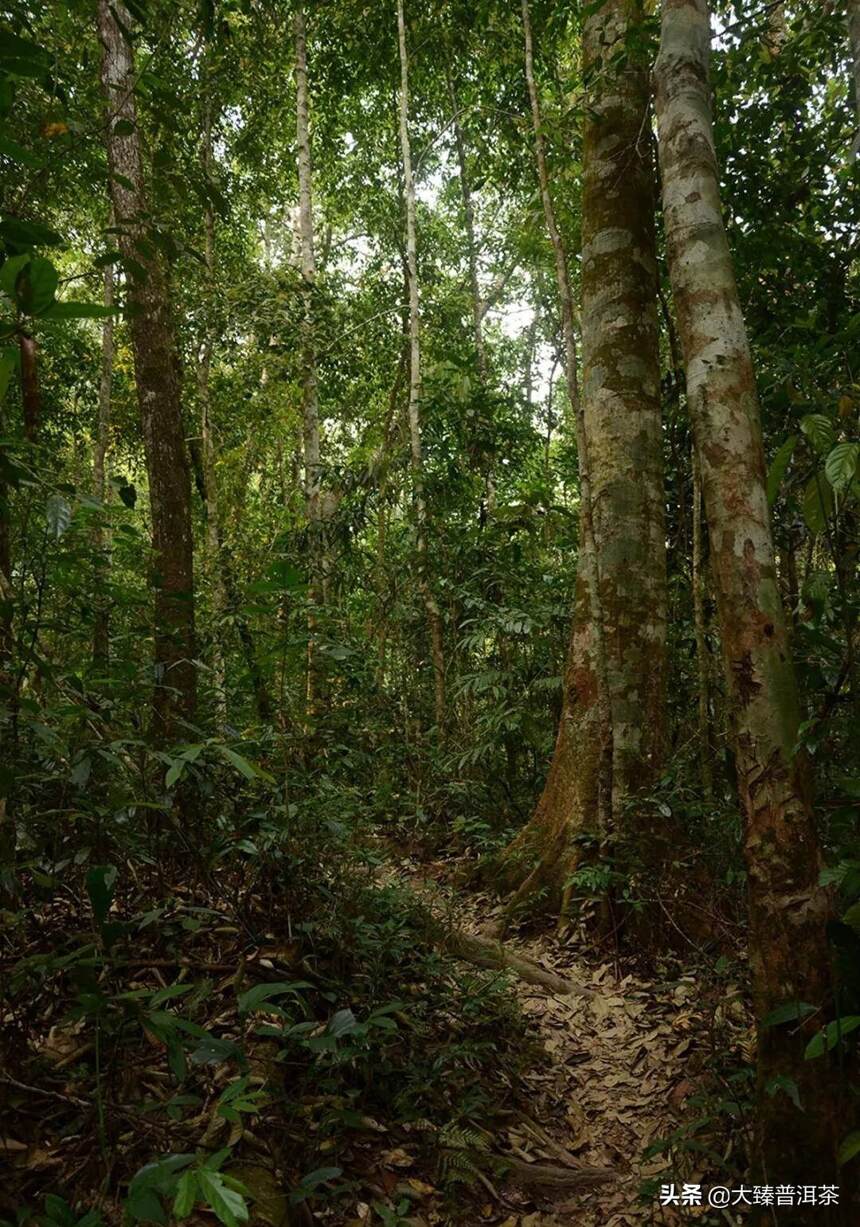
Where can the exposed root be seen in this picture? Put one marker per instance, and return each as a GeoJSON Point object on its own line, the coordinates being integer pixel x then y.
{"type": "Point", "coordinates": [482, 952]}
{"type": "Point", "coordinates": [553, 1176]}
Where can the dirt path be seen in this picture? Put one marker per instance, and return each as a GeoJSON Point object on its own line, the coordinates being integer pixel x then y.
{"type": "Point", "coordinates": [623, 1060]}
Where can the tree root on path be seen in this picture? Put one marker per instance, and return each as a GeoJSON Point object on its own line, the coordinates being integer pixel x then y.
{"type": "Point", "coordinates": [553, 1176]}
{"type": "Point", "coordinates": [482, 952]}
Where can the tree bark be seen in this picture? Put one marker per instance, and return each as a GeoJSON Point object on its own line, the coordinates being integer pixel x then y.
{"type": "Point", "coordinates": [310, 391]}
{"type": "Point", "coordinates": [706, 774]}
{"type": "Point", "coordinates": [156, 375]}
{"type": "Point", "coordinates": [621, 388]}
{"type": "Point", "coordinates": [853, 23]}
{"type": "Point", "coordinates": [611, 734]}
{"type": "Point", "coordinates": [207, 442]}
{"type": "Point", "coordinates": [434, 617]}
{"type": "Point", "coordinates": [101, 537]}
{"type": "Point", "coordinates": [788, 909]}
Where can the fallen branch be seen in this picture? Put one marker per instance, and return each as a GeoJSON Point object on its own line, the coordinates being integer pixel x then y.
{"type": "Point", "coordinates": [552, 1176]}
{"type": "Point", "coordinates": [482, 952]}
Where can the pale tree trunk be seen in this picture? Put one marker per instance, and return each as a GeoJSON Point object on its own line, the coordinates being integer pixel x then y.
{"type": "Point", "coordinates": [156, 375]}
{"type": "Point", "coordinates": [706, 774]}
{"type": "Point", "coordinates": [434, 617]}
{"type": "Point", "coordinates": [102, 535]}
{"type": "Point", "coordinates": [621, 389]}
{"type": "Point", "coordinates": [207, 442]}
{"type": "Point", "coordinates": [611, 735]}
{"type": "Point", "coordinates": [788, 910]}
{"type": "Point", "coordinates": [310, 391]}
{"type": "Point", "coordinates": [853, 22]}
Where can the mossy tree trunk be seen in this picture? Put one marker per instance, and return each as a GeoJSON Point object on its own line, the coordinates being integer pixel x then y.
{"type": "Point", "coordinates": [611, 734]}
{"type": "Point", "coordinates": [788, 909]}
{"type": "Point", "coordinates": [157, 379]}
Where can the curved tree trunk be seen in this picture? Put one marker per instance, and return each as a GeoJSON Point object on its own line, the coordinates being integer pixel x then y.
{"type": "Point", "coordinates": [434, 617]}
{"type": "Point", "coordinates": [788, 909]}
{"type": "Point", "coordinates": [611, 734]}
{"type": "Point", "coordinates": [156, 375]}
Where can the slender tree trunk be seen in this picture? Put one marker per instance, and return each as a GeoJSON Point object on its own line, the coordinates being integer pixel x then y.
{"type": "Point", "coordinates": [788, 909]}
{"type": "Point", "coordinates": [706, 774]}
{"type": "Point", "coordinates": [434, 617]}
{"type": "Point", "coordinates": [156, 375]}
{"type": "Point", "coordinates": [471, 243]}
{"type": "Point", "coordinates": [102, 535]}
{"type": "Point", "coordinates": [310, 392]}
{"type": "Point", "coordinates": [612, 730]}
{"type": "Point", "coordinates": [30, 396]}
{"type": "Point", "coordinates": [207, 444]}
{"type": "Point", "coordinates": [853, 22]}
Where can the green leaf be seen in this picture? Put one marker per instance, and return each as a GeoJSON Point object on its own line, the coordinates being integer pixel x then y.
{"type": "Point", "coordinates": [174, 773]}
{"type": "Point", "coordinates": [819, 430]}
{"type": "Point", "coordinates": [11, 271]}
{"type": "Point", "coordinates": [841, 464]}
{"type": "Point", "coordinates": [27, 234]}
{"type": "Point", "coordinates": [58, 512]}
{"type": "Point", "coordinates": [228, 1204]}
{"type": "Point", "coordinates": [76, 311]}
{"type": "Point", "coordinates": [17, 153]}
{"type": "Point", "coordinates": [817, 503]}
{"type": "Point", "coordinates": [101, 883]}
{"type": "Point", "coordinates": [788, 1087]}
{"type": "Point", "coordinates": [21, 57]}
{"type": "Point", "coordinates": [850, 1147]}
{"type": "Point", "coordinates": [186, 1195]}
{"type": "Point", "coordinates": [342, 1023]}
{"type": "Point", "coordinates": [791, 1011]}
{"type": "Point", "coordinates": [247, 769]}
{"type": "Point", "coordinates": [9, 358]}
{"type": "Point", "coordinates": [265, 992]}
{"type": "Point", "coordinates": [778, 468]}
{"type": "Point", "coordinates": [36, 286]}
{"type": "Point", "coordinates": [829, 1036]}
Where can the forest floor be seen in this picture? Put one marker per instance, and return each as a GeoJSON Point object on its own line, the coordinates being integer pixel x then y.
{"type": "Point", "coordinates": [625, 1082]}
{"type": "Point", "coordinates": [629, 1080]}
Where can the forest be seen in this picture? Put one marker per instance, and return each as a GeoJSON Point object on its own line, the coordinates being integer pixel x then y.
{"type": "Point", "coordinates": [429, 670]}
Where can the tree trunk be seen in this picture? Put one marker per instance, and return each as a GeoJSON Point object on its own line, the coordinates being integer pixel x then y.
{"type": "Point", "coordinates": [310, 392]}
{"type": "Point", "coordinates": [471, 244]}
{"type": "Point", "coordinates": [434, 617]}
{"type": "Point", "coordinates": [611, 735]}
{"type": "Point", "coordinates": [621, 388]}
{"type": "Point", "coordinates": [706, 774]}
{"type": "Point", "coordinates": [853, 21]}
{"type": "Point", "coordinates": [207, 443]}
{"type": "Point", "coordinates": [156, 375]}
{"type": "Point", "coordinates": [788, 909]}
{"type": "Point", "coordinates": [101, 537]}
{"type": "Point", "coordinates": [30, 398]}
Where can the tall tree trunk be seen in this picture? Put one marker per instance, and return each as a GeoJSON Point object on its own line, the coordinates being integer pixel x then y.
{"type": "Point", "coordinates": [853, 22]}
{"type": "Point", "coordinates": [156, 375]}
{"type": "Point", "coordinates": [788, 909]}
{"type": "Point", "coordinates": [207, 441]}
{"type": "Point", "coordinates": [101, 537]}
{"type": "Point", "coordinates": [621, 388]}
{"type": "Point", "coordinates": [611, 735]}
{"type": "Point", "coordinates": [310, 392]}
{"type": "Point", "coordinates": [434, 617]}
{"type": "Point", "coordinates": [706, 774]}
{"type": "Point", "coordinates": [471, 243]}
